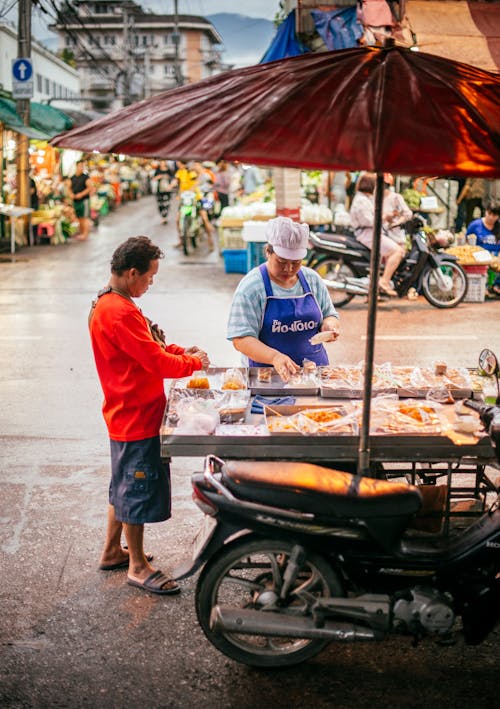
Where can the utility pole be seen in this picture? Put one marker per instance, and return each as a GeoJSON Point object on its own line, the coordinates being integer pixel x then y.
{"type": "Point", "coordinates": [179, 79]}
{"type": "Point", "coordinates": [23, 106]}
{"type": "Point", "coordinates": [128, 21]}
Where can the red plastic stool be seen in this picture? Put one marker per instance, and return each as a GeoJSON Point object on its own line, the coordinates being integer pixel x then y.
{"type": "Point", "coordinates": [45, 230]}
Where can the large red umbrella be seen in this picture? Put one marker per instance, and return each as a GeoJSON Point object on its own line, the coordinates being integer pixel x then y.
{"type": "Point", "coordinates": [390, 110]}
{"type": "Point", "coordinates": [384, 110]}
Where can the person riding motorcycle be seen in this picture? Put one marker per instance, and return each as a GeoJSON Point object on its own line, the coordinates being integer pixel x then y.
{"type": "Point", "coordinates": [395, 213]}
{"type": "Point", "coordinates": [362, 215]}
{"type": "Point", "coordinates": [189, 178]}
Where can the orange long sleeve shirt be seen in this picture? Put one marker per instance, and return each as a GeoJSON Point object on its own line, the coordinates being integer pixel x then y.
{"type": "Point", "coordinates": [131, 367]}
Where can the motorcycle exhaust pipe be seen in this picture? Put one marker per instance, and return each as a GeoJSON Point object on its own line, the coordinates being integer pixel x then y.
{"type": "Point", "coordinates": [348, 287]}
{"type": "Point", "coordinates": [249, 622]}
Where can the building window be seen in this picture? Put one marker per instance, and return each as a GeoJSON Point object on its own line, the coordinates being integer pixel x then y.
{"type": "Point", "coordinates": [46, 86]}
{"type": "Point", "coordinates": [39, 83]}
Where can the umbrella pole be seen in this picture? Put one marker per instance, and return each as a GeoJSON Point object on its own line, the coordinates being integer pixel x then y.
{"type": "Point", "coordinates": [364, 438]}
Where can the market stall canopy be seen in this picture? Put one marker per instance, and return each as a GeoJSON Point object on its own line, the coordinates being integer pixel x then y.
{"type": "Point", "coordinates": [45, 121]}
{"type": "Point", "coordinates": [457, 29]}
{"type": "Point", "coordinates": [81, 118]}
{"type": "Point", "coordinates": [11, 120]}
{"type": "Point", "coordinates": [380, 109]}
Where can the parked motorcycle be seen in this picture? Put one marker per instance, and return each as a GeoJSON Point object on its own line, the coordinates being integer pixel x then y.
{"type": "Point", "coordinates": [189, 221]}
{"type": "Point", "coordinates": [295, 556]}
{"type": "Point", "coordinates": [344, 265]}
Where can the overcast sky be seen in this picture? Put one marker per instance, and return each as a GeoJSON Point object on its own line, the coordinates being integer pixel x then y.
{"type": "Point", "coordinates": [252, 8]}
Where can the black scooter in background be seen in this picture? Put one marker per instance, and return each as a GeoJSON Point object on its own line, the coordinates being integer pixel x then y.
{"type": "Point", "coordinates": [295, 556]}
{"type": "Point", "coordinates": [344, 265]}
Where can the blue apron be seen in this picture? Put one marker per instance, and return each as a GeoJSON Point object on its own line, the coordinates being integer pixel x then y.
{"type": "Point", "coordinates": [289, 322]}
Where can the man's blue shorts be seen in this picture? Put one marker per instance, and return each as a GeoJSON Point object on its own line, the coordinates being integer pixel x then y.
{"type": "Point", "coordinates": [140, 482]}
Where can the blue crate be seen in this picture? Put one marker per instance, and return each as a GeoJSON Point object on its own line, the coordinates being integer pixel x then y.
{"type": "Point", "coordinates": [256, 253]}
{"type": "Point", "coordinates": [235, 260]}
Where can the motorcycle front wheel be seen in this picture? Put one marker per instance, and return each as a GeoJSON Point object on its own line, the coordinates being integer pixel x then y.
{"type": "Point", "coordinates": [250, 574]}
{"type": "Point", "coordinates": [186, 234]}
{"type": "Point", "coordinates": [445, 287]}
{"type": "Point", "coordinates": [336, 269]}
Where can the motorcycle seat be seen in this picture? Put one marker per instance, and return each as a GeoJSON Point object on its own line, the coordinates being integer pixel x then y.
{"type": "Point", "coordinates": [347, 241]}
{"type": "Point", "coordinates": [322, 491]}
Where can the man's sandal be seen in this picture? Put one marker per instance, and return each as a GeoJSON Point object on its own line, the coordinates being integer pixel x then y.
{"type": "Point", "coordinates": [157, 582]}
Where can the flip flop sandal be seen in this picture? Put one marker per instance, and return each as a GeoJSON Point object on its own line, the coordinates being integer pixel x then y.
{"type": "Point", "coordinates": [384, 290]}
{"type": "Point", "coordinates": [157, 582]}
{"type": "Point", "coordinates": [121, 564]}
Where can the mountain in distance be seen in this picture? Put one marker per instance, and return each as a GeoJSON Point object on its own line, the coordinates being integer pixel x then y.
{"type": "Point", "coordinates": [245, 39]}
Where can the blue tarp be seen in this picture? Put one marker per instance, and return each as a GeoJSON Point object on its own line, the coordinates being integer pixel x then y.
{"type": "Point", "coordinates": [339, 29]}
{"type": "Point", "coordinates": [285, 43]}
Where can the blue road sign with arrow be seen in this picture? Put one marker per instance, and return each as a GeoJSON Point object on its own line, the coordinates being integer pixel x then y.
{"type": "Point", "coordinates": [22, 78]}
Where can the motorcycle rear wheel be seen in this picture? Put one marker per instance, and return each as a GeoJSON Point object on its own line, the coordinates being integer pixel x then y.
{"type": "Point", "coordinates": [249, 574]}
{"type": "Point", "coordinates": [336, 269]}
{"type": "Point", "coordinates": [455, 279]}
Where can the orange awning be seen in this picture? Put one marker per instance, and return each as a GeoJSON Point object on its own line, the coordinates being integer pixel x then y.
{"type": "Point", "coordinates": [455, 29]}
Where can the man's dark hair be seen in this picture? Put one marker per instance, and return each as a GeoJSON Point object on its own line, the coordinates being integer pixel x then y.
{"type": "Point", "coordinates": [493, 207]}
{"type": "Point", "coordinates": [137, 252]}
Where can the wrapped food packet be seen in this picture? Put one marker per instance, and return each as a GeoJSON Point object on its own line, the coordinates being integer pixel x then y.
{"type": "Point", "coordinates": [199, 380]}
{"type": "Point", "coordinates": [197, 417]}
{"type": "Point", "coordinates": [233, 379]}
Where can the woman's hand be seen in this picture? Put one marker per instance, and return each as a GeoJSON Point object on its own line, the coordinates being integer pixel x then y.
{"type": "Point", "coordinates": [331, 325]}
{"type": "Point", "coordinates": [284, 366]}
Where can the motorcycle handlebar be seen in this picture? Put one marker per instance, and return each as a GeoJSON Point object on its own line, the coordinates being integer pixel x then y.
{"type": "Point", "coordinates": [490, 418]}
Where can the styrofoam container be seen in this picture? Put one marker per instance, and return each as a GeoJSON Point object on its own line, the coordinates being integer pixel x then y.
{"type": "Point", "coordinates": [254, 231]}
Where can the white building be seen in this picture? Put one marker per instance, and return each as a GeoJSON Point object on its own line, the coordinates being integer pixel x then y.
{"type": "Point", "coordinates": [125, 54]}
{"type": "Point", "coordinates": [52, 78]}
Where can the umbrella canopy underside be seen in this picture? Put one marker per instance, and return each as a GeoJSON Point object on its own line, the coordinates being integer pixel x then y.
{"type": "Point", "coordinates": [372, 109]}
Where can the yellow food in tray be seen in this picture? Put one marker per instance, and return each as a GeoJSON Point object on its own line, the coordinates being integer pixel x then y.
{"type": "Point", "coordinates": [312, 421]}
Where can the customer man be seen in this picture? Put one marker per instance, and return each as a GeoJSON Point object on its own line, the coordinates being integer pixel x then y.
{"type": "Point", "coordinates": [132, 360]}
{"type": "Point", "coordinates": [80, 190]}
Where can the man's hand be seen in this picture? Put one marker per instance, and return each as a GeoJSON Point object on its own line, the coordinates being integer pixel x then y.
{"type": "Point", "coordinates": [285, 366]}
{"type": "Point", "coordinates": [205, 362]}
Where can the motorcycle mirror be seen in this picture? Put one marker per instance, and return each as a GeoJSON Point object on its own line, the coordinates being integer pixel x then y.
{"type": "Point", "coordinates": [488, 366]}
{"type": "Point", "coordinates": [488, 363]}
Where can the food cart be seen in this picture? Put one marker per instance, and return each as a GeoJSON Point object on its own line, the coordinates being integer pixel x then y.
{"type": "Point", "coordinates": [414, 436]}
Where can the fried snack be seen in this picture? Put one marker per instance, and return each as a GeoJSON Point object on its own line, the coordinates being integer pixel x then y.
{"type": "Point", "coordinates": [419, 412]}
{"type": "Point", "coordinates": [320, 337]}
{"type": "Point", "coordinates": [198, 383]}
{"type": "Point", "coordinates": [321, 415]}
{"type": "Point", "coordinates": [281, 424]}
{"type": "Point", "coordinates": [264, 374]}
{"type": "Point", "coordinates": [440, 368]}
{"type": "Point", "coordinates": [233, 379]}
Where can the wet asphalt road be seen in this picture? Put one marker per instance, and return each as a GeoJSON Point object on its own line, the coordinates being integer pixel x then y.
{"type": "Point", "coordinates": [71, 636]}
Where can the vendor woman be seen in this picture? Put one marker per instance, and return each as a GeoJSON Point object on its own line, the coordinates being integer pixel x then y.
{"type": "Point", "coordinates": [279, 306]}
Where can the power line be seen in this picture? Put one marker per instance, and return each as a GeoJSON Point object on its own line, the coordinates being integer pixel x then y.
{"type": "Point", "coordinates": [62, 19]}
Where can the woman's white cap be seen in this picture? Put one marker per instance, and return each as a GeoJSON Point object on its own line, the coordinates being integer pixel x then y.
{"type": "Point", "coordinates": [289, 239]}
